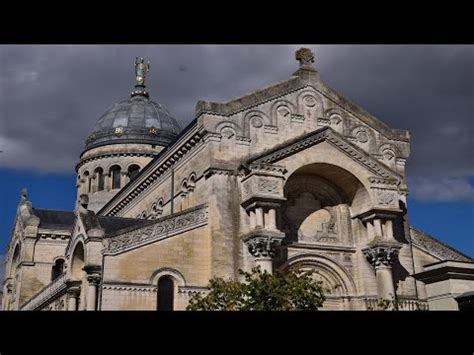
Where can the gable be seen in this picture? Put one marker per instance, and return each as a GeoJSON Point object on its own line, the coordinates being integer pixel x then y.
{"type": "Point", "coordinates": [302, 104]}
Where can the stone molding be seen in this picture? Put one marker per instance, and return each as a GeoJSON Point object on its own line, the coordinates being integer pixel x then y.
{"type": "Point", "coordinates": [335, 139]}
{"type": "Point", "coordinates": [161, 228]}
{"type": "Point", "coordinates": [112, 155]}
{"type": "Point", "coordinates": [220, 171]}
{"type": "Point", "coordinates": [130, 287]}
{"type": "Point", "coordinates": [433, 246]}
{"type": "Point", "coordinates": [154, 170]}
{"type": "Point", "coordinates": [192, 290]}
{"type": "Point", "coordinates": [48, 293]}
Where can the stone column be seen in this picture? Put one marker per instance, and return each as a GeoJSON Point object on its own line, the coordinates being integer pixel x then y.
{"type": "Point", "coordinates": [91, 300]}
{"type": "Point", "coordinates": [389, 229]}
{"type": "Point", "coordinates": [253, 220]}
{"type": "Point", "coordinates": [377, 227]}
{"type": "Point", "coordinates": [259, 217]}
{"type": "Point", "coordinates": [73, 296]}
{"type": "Point", "coordinates": [370, 231]}
{"type": "Point", "coordinates": [107, 181]}
{"type": "Point", "coordinates": [382, 256]}
{"type": "Point", "coordinates": [123, 178]}
{"type": "Point", "coordinates": [270, 219]}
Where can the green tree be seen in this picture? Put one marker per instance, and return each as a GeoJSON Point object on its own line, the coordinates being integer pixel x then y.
{"type": "Point", "coordinates": [291, 290]}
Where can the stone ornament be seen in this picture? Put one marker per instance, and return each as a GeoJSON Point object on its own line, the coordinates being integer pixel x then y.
{"type": "Point", "coordinates": [305, 56]}
{"type": "Point", "coordinates": [163, 228]}
{"type": "Point", "coordinates": [262, 246]}
{"type": "Point", "coordinates": [385, 197]}
{"type": "Point", "coordinates": [382, 255]}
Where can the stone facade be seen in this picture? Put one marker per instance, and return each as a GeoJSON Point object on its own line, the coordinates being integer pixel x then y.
{"type": "Point", "coordinates": [293, 175]}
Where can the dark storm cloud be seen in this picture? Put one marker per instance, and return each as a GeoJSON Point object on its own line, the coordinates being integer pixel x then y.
{"type": "Point", "coordinates": [52, 95]}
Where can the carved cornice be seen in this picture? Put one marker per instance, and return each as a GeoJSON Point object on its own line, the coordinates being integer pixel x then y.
{"type": "Point", "coordinates": [326, 134]}
{"type": "Point", "coordinates": [161, 228]}
{"type": "Point", "coordinates": [190, 290]}
{"type": "Point", "coordinates": [221, 171]}
{"type": "Point", "coordinates": [153, 171]}
{"type": "Point", "coordinates": [113, 155]}
{"type": "Point", "coordinates": [264, 169]}
{"type": "Point", "coordinates": [130, 288]}
{"type": "Point", "coordinates": [378, 213]}
{"type": "Point", "coordinates": [252, 100]}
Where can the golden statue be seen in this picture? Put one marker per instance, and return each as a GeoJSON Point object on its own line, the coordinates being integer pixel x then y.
{"type": "Point", "coordinates": [141, 69]}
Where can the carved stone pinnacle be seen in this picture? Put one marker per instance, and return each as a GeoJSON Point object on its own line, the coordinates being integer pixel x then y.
{"type": "Point", "coordinates": [305, 56]}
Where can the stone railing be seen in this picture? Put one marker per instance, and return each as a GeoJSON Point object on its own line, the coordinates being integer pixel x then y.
{"type": "Point", "coordinates": [162, 228]}
{"type": "Point", "coordinates": [403, 304]}
{"type": "Point", "coordinates": [46, 294]}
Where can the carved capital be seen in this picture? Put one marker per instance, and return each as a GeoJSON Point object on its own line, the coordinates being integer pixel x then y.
{"type": "Point", "coordinates": [74, 291]}
{"type": "Point", "coordinates": [263, 247]}
{"type": "Point", "coordinates": [93, 279]}
{"type": "Point", "coordinates": [382, 254]}
{"type": "Point", "coordinates": [263, 244]}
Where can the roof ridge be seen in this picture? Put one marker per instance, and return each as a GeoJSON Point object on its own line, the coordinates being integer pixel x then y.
{"type": "Point", "coordinates": [51, 209]}
{"type": "Point", "coordinates": [439, 242]}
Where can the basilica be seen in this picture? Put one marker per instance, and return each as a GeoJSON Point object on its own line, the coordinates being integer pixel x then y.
{"type": "Point", "coordinates": [292, 175]}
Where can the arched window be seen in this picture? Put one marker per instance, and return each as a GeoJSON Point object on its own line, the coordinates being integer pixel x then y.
{"type": "Point", "coordinates": [87, 182]}
{"type": "Point", "coordinates": [133, 171]}
{"type": "Point", "coordinates": [165, 293]}
{"type": "Point", "coordinates": [100, 179]}
{"type": "Point", "coordinates": [58, 269]}
{"type": "Point", "coordinates": [77, 262]}
{"type": "Point", "coordinates": [115, 173]}
{"type": "Point", "coordinates": [192, 182]}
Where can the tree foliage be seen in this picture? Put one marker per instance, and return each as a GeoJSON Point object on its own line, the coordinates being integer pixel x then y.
{"type": "Point", "coordinates": [261, 291]}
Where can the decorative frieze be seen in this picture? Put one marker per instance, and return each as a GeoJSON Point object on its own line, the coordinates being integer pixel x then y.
{"type": "Point", "coordinates": [129, 288]}
{"type": "Point", "coordinates": [163, 228]}
{"type": "Point", "coordinates": [190, 290]}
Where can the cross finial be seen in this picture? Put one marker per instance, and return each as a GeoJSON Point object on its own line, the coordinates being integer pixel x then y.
{"type": "Point", "coordinates": [305, 57]}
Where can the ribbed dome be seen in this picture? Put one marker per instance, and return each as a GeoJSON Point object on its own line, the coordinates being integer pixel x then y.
{"type": "Point", "coordinates": [136, 120]}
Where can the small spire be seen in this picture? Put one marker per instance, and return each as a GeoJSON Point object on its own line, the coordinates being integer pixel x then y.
{"type": "Point", "coordinates": [305, 56]}
{"type": "Point", "coordinates": [24, 192]}
{"type": "Point", "coordinates": [141, 70]}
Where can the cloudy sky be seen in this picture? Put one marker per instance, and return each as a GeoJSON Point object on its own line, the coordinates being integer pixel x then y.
{"type": "Point", "coordinates": [50, 97]}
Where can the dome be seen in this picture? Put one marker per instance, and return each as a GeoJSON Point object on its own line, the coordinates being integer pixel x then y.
{"type": "Point", "coordinates": [136, 120]}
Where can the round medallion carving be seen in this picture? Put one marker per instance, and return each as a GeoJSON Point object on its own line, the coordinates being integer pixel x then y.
{"type": "Point", "coordinates": [362, 136]}
{"type": "Point", "coordinates": [118, 131]}
{"type": "Point", "coordinates": [388, 154]}
{"type": "Point", "coordinates": [309, 101]}
{"type": "Point", "coordinates": [257, 122]}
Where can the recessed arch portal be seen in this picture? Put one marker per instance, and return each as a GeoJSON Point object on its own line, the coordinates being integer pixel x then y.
{"type": "Point", "coordinates": [77, 262]}
{"type": "Point", "coordinates": [320, 199]}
